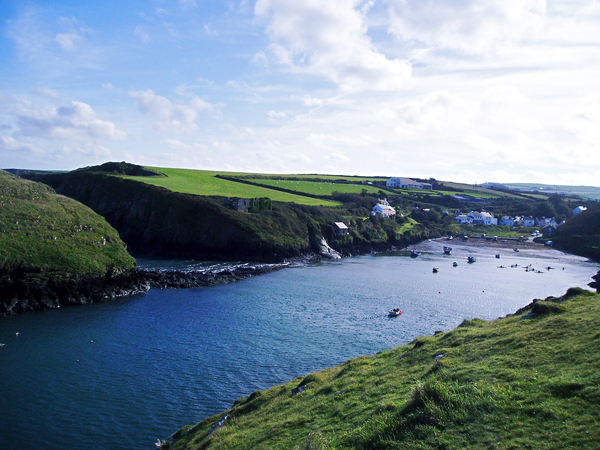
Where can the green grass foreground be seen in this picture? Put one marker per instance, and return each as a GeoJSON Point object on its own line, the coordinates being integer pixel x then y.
{"type": "Point", "coordinates": [527, 381]}
{"type": "Point", "coordinates": [40, 229]}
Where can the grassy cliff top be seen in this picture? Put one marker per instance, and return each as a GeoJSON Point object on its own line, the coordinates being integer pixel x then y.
{"type": "Point", "coordinates": [529, 380]}
{"type": "Point", "coordinates": [205, 182]}
{"type": "Point", "coordinates": [40, 229]}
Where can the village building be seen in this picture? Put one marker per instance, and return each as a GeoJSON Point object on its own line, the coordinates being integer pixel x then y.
{"type": "Point", "coordinates": [384, 210]}
{"type": "Point", "coordinates": [483, 218]}
{"type": "Point", "coordinates": [407, 183]}
{"type": "Point", "coordinates": [506, 221]}
{"type": "Point", "coordinates": [463, 219]}
{"type": "Point", "coordinates": [579, 209]}
{"type": "Point", "coordinates": [528, 221]}
{"type": "Point", "coordinates": [341, 229]}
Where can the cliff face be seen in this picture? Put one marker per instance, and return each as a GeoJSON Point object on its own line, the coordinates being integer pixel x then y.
{"type": "Point", "coordinates": [156, 221]}
{"type": "Point", "coordinates": [581, 234]}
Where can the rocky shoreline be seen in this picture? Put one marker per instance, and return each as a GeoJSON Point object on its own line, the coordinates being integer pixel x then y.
{"type": "Point", "coordinates": [30, 290]}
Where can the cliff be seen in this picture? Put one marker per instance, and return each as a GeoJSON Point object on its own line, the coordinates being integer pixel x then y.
{"type": "Point", "coordinates": [52, 244]}
{"type": "Point", "coordinates": [156, 221]}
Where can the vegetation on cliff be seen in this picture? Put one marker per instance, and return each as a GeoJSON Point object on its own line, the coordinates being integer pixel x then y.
{"type": "Point", "coordinates": [159, 221]}
{"type": "Point", "coordinates": [40, 230]}
{"type": "Point", "coordinates": [529, 380]}
{"type": "Point", "coordinates": [581, 234]}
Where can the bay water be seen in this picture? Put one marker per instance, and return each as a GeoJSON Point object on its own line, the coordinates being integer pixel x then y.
{"type": "Point", "coordinates": [121, 374]}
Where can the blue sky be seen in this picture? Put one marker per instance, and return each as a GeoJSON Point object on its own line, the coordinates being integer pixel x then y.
{"type": "Point", "coordinates": [469, 90]}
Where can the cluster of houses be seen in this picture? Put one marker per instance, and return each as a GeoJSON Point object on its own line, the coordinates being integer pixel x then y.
{"type": "Point", "coordinates": [486, 218]}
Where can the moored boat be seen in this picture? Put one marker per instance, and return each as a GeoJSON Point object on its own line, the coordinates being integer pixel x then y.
{"type": "Point", "coordinates": [414, 253]}
{"type": "Point", "coordinates": [436, 269]}
{"type": "Point", "coordinates": [394, 312]}
{"type": "Point", "coordinates": [447, 249]}
{"type": "Point", "coordinates": [455, 264]}
{"type": "Point", "coordinates": [471, 259]}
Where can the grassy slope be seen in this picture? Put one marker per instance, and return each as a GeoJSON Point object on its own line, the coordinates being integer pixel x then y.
{"type": "Point", "coordinates": [512, 383]}
{"type": "Point", "coordinates": [204, 182]}
{"type": "Point", "coordinates": [41, 229]}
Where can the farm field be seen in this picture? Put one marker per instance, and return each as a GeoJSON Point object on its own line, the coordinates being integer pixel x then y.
{"type": "Point", "coordinates": [204, 182]}
{"type": "Point", "coordinates": [317, 188]}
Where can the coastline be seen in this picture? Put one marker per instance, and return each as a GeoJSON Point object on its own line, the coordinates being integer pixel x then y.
{"type": "Point", "coordinates": [34, 290]}
{"type": "Point", "coordinates": [25, 292]}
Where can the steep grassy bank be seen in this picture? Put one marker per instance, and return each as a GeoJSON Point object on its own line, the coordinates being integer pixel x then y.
{"type": "Point", "coordinates": [49, 232]}
{"type": "Point", "coordinates": [529, 380]}
{"type": "Point", "coordinates": [52, 244]}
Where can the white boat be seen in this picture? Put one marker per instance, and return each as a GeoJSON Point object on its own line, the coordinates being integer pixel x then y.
{"type": "Point", "coordinates": [447, 250]}
{"type": "Point", "coordinates": [414, 253]}
{"type": "Point", "coordinates": [436, 269]}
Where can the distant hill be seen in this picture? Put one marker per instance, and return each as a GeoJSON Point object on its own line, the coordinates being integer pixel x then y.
{"type": "Point", "coordinates": [585, 192]}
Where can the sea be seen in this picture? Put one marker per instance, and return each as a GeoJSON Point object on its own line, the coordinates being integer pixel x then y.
{"type": "Point", "coordinates": [123, 373]}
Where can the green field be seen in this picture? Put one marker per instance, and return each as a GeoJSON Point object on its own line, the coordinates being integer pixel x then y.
{"type": "Point", "coordinates": [317, 188]}
{"type": "Point", "coordinates": [204, 182]}
{"type": "Point", "coordinates": [527, 381]}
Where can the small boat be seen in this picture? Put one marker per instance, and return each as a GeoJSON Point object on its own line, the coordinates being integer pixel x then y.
{"type": "Point", "coordinates": [447, 250]}
{"type": "Point", "coordinates": [471, 259]}
{"type": "Point", "coordinates": [449, 238]}
{"type": "Point", "coordinates": [455, 264]}
{"type": "Point", "coordinates": [436, 269]}
{"type": "Point", "coordinates": [414, 253]}
{"type": "Point", "coordinates": [497, 255]}
{"type": "Point", "coordinates": [394, 312]}
{"type": "Point", "coordinates": [516, 249]}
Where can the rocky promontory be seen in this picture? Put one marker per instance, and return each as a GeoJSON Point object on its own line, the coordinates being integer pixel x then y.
{"type": "Point", "coordinates": [31, 290]}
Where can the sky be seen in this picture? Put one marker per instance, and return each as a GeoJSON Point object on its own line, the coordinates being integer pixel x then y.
{"type": "Point", "coordinates": [459, 90]}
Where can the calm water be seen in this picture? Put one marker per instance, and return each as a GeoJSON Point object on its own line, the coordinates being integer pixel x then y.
{"type": "Point", "coordinates": [119, 375]}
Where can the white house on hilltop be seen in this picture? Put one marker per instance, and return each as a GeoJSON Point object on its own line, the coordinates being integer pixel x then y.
{"type": "Point", "coordinates": [579, 209]}
{"type": "Point", "coordinates": [384, 210]}
{"type": "Point", "coordinates": [407, 183]}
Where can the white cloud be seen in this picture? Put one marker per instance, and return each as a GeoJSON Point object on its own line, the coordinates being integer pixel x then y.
{"type": "Point", "coordinates": [68, 41]}
{"type": "Point", "coordinates": [473, 27]}
{"type": "Point", "coordinates": [276, 115]}
{"type": "Point", "coordinates": [329, 39]}
{"type": "Point", "coordinates": [142, 34]}
{"type": "Point", "coordinates": [10, 144]}
{"type": "Point", "coordinates": [170, 116]}
{"type": "Point", "coordinates": [75, 121]}
{"type": "Point", "coordinates": [46, 92]}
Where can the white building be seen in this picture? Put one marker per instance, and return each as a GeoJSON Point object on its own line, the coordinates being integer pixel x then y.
{"type": "Point", "coordinates": [384, 210]}
{"type": "Point", "coordinates": [528, 221]}
{"type": "Point", "coordinates": [407, 183]}
{"type": "Point", "coordinates": [579, 209]}
{"type": "Point", "coordinates": [507, 220]}
{"type": "Point", "coordinates": [483, 218]}
{"type": "Point", "coordinates": [463, 219]}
